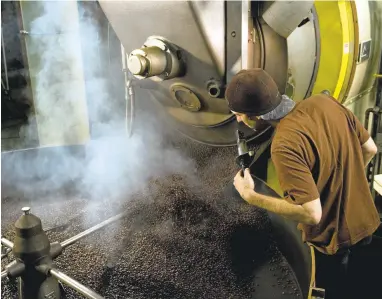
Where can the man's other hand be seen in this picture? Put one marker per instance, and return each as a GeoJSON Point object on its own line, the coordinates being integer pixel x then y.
{"type": "Point", "coordinates": [243, 183]}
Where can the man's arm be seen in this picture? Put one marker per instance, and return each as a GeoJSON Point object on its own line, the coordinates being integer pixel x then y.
{"type": "Point", "coordinates": [369, 149]}
{"type": "Point", "coordinates": [308, 213]}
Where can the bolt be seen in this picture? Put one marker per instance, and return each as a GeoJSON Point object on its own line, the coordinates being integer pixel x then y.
{"type": "Point", "coordinates": [233, 33]}
{"type": "Point", "coordinates": [26, 210]}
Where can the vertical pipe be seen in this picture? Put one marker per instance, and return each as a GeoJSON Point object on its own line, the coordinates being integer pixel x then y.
{"type": "Point", "coordinates": [5, 61]}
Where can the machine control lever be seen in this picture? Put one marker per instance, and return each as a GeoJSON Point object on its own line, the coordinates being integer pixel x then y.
{"type": "Point", "coordinates": [245, 156]}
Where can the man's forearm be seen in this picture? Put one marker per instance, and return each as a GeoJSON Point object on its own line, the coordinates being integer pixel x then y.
{"type": "Point", "coordinates": [279, 206]}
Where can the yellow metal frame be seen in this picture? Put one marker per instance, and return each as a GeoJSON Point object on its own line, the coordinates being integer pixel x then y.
{"type": "Point", "coordinates": [337, 47]}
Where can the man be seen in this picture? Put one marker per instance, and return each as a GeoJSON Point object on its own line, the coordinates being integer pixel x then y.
{"type": "Point", "coordinates": [319, 150]}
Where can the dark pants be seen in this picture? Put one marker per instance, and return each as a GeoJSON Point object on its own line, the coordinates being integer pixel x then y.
{"type": "Point", "coordinates": [332, 271]}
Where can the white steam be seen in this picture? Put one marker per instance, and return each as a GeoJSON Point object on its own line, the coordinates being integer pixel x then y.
{"type": "Point", "coordinates": [108, 167]}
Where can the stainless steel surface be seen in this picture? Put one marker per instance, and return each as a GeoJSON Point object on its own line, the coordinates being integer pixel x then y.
{"type": "Point", "coordinates": [369, 15]}
{"type": "Point", "coordinates": [211, 20]}
{"type": "Point", "coordinates": [233, 38]}
{"type": "Point", "coordinates": [7, 243]}
{"type": "Point", "coordinates": [302, 59]}
{"type": "Point", "coordinates": [213, 123]}
{"type": "Point", "coordinates": [275, 55]}
{"type": "Point", "coordinates": [4, 274]}
{"type": "Point", "coordinates": [200, 34]}
{"type": "Point", "coordinates": [74, 284]}
{"type": "Point", "coordinates": [361, 95]}
{"type": "Point", "coordinates": [246, 39]}
{"type": "Point", "coordinates": [284, 16]}
{"type": "Point", "coordinates": [314, 19]}
{"type": "Point", "coordinates": [364, 51]}
{"type": "Point", "coordinates": [75, 238]}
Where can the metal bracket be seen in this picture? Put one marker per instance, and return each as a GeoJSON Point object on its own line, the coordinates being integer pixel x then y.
{"type": "Point", "coordinates": [364, 51]}
{"type": "Point", "coordinates": [317, 293]}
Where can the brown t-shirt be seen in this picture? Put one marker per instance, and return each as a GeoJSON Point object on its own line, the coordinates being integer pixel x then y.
{"type": "Point", "coordinates": [317, 153]}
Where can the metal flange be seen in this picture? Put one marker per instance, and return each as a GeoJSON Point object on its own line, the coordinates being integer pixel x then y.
{"type": "Point", "coordinates": [156, 58]}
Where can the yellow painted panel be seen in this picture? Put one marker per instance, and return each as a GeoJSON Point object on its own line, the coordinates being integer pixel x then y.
{"type": "Point", "coordinates": [331, 46]}
{"type": "Point", "coordinates": [272, 180]}
{"type": "Point", "coordinates": [347, 37]}
{"type": "Point", "coordinates": [336, 62]}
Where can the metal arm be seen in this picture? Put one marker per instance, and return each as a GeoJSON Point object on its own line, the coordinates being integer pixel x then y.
{"type": "Point", "coordinates": [91, 230]}
{"type": "Point", "coordinates": [4, 274]}
{"type": "Point", "coordinates": [6, 243]}
{"type": "Point", "coordinates": [74, 284]}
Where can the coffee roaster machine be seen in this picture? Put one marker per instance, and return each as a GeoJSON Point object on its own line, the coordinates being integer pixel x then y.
{"type": "Point", "coordinates": [179, 56]}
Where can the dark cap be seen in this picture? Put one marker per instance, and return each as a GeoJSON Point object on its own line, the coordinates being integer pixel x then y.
{"type": "Point", "coordinates": [252, 92]}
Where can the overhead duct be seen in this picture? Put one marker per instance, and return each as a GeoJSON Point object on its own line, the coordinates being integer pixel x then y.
{"type": "Point", "coordinates": [285, 16]}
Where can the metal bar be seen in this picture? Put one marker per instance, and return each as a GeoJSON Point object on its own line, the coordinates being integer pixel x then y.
{"type": "Point", "coordinates": [6, 252]}
{"type": "Point", "coordinates": [7, 243]}
{"type": "Point", "coordinates": [91, 230]}
{"type": "Point", "coordinates": [245, 15]}
{"type": "Point", "coordinates": [74, 284]}
{"type": "Point", "coordinates": [11, 264]}
{"type": "Point", "coordinates": [4, 274]}
{"type": "Point", "coordinates": [5, 60]}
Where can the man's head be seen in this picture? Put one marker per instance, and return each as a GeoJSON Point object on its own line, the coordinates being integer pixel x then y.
{"type": "Point", "coordinates": [253, 94]}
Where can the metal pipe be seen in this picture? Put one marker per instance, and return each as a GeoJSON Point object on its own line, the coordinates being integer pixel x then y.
{"type": "Point", "coordinates": [4, 274]}
{"type": "Point", "coordinates": [11, 264]}
{"type": "Point", "coordinates": [129, 96]}
{"type": "Point", "coordinates": [74, 284]}
{"type": "Point", "coordinates": [7, 243]}
{"type": "Point", "coordinates": [6, 252]}
{"type": "Point", "coordinates": [91, 230]}
{"type": "Point", "coordinates": [5, 61]}
{"type": "Point", "coordinates": [130, 99]}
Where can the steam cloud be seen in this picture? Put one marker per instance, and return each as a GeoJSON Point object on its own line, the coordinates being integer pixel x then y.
{"type": "Point", "coordinates": [108, 167]}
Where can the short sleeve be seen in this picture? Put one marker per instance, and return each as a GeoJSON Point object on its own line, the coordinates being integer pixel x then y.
{"type": "Point", "coordinates": [295, 177]}
{"type": "Point", "coordinates": [362, 134]}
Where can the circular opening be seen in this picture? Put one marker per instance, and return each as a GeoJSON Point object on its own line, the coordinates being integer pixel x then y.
{"type": "Point", "coordinates": [213, 91]}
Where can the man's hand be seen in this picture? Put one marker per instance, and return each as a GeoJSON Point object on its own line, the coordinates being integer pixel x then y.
{"type": "Point", "coordinates": [243, 184]}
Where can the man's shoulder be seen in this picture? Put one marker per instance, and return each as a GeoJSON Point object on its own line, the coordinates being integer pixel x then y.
{"type": "Point", "coordinates": [284, 138]}
{"type": "Point", "coordinates": [319, 101]}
